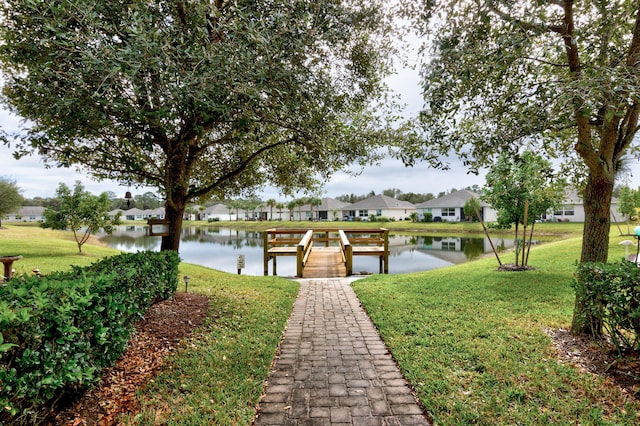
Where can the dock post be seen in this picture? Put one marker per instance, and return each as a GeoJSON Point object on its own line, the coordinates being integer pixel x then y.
{"type": "Point", "coordinates": [266, 252]}
{"type": "Point", "coordinates": [386, 250]}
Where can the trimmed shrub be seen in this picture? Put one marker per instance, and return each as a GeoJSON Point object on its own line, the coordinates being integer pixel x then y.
{"type": "Point", "coordinates": [610, 295]}
{"type": "Point", "coordinates": [58, 332]}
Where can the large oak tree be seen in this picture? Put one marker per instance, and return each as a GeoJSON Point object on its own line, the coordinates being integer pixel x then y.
{"type": "Point", "coordinates": [197, 98]}
{"type": "Point", "coordinates": [555, 76]}
{"type": "Point", "coordinates": [560, 77]}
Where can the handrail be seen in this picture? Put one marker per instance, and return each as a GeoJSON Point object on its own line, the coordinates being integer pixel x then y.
{"type": "Point", "coordinates": [369, 242]}
{"type": "Point", "coordinates": [347, 252]}
{"type": "Point", "coordinates": [303, 251]}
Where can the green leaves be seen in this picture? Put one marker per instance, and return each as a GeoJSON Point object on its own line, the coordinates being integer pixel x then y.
{"type": "Point", "coordinates": [81, 212]}
{"type": "Point", "coordinates": [57, 332]}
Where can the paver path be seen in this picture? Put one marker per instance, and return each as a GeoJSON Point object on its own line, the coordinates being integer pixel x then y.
{"type": "Point", "coordinates": [333, 367]}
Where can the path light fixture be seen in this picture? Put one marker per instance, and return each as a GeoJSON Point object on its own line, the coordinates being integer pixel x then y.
{"type": "Point", "coordinates": [186, 279]}
{"type": "Point", "coordinates": [626, 244]}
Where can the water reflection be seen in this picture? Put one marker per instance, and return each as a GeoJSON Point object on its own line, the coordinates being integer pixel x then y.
{"type": "Point", "coordinates": [219, 247]}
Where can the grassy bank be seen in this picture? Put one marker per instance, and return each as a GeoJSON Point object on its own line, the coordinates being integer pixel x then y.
{"type": "Point", "coordinates": [472, 342]}
{"type": "Point", "coordinates": [217, 376]}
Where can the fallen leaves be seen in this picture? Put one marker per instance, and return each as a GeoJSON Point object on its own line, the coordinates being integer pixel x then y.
{"type": "Point", "coordinates": [156, 337]}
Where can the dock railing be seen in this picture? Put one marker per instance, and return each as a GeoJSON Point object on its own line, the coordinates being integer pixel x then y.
{"type": "Point", "coordinates": [352, 242]}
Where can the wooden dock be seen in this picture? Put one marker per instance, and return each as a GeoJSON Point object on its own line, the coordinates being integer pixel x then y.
{"type": "Point", "coordinates": [325, 253]}
{"type": "Point", "coordinates": [325, 262]}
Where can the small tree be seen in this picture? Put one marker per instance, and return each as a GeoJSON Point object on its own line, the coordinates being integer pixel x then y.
{"type": "Point", "coordinates": [10, 198]}
{"type": "Point", "coordinates": [521, 188]}
{"type": "Point", "coordinates": [628, 201]}
{"type": "Point", "coordinates": [81, 212]}
{"type": "Point", "coordinates": [471, 207]}
{"type": "Point", "coordinates": [271, 203]}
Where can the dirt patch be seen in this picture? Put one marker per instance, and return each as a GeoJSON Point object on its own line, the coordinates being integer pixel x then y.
{"type": "Point", "coordinates": [599, 358]}
{"type": "Point", "coordinates": [512, 267]}
{"type": "Point", "coordinates": [156, 337]}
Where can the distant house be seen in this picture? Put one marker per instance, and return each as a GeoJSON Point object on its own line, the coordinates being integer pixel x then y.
{"type": "Point", "coordinates": [131, 214]}
{"type": "Point", "coordinates": [380, 205]}
{"type": "Point", "coordinates": [572, 209]}
{"type": "Point", "coordinates": [329, 209]}
{"type": "Point", "coordinates": [27, 214]}
{"type": "Point", "coordinates": [450, 208]}
{"type": "Point", "coordinates": [218, 212]}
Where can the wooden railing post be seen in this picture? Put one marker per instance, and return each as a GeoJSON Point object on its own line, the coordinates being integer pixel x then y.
{"type": "Point", "coordinates": [266, 252]}
{"type": "Point", "coordinates": [385, 233]}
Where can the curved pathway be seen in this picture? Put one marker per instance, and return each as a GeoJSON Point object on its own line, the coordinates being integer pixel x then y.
{"type": "Point", "coordinates": [333, 367]}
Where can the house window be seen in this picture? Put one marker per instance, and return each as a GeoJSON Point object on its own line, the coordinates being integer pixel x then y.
{"type": "Point", "coordinates": [448, 246]}
{"type": "Point", "coordinates": [448, 211]}
{"type": "Point", "coordinates": [564, 211]}
{"type": "Point", "coordinates": [363, 213]}
{"type": "Point", "coordinates": [378, 212]}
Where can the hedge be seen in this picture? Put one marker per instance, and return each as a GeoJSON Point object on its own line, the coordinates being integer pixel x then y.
{"type": "Point", "coordinates": [58, 332]}
{"type": "Point", "coordinates": [610, 296]}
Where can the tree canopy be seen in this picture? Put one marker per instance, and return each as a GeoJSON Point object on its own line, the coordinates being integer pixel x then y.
{"type": "Point", "coordinates": [557, 77]}
{"type": "Point", "coordinates": [81, 212]}
{"type": "Point", "coordinates": [199, 98]}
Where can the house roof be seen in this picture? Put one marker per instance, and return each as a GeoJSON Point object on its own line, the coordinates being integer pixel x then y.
{"type": "Point", "coordinates": [453, 199]}
{"type": "Point", "coordinates": [217, 209]}
{"type": "Point", "coordinates": [572, 196]}
{"type": "Point", "coordinates": [31, 211]}
{"type": "Point", "coordinates": [381, 202]}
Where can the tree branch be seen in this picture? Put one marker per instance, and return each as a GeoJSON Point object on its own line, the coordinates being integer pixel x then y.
{"type": "Point", "coordinates": [239, 168]}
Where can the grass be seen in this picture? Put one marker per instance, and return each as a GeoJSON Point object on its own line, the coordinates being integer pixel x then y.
{"type": "Point", "coordinates": [547, 228]}
{"type": "Point", "coordinates": [217, 377]}
{"type": "Point", "coordinates": [471, 340]}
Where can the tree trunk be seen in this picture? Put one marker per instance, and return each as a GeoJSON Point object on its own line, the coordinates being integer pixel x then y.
{"type": "Point", "coordinates": [595, 243]}
{"type": "Point", "coordinates": [173, 213]}
{"type": "Point", "coordinates": [597, 222]}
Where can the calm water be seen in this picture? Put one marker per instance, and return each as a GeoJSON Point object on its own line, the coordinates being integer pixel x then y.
{"type": "Point", "coordinates": [219, 247]}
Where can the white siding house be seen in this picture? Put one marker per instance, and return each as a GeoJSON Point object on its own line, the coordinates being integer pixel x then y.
{"type": "Point", "coordinates": [218, 212]}
{"type": "Point", "coordinates": [329, 209]}
{"type": "Point", "coordinates": [572, 209]}
{"type": "Point", "coordinates": [380, 205]}
{"type": "Point", "coordinates": [27, 214]}
{"type": "Point", "coordinates": [450, 208]}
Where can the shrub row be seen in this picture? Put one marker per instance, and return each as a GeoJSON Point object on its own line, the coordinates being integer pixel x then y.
{"type": "Point", "coordinates": [58, 332]}
{"type": "Point", "coordinates": [610, 296]}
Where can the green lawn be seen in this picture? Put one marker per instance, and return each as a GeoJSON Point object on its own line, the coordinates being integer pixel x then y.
{"type": "Point", "coordinates": [471, 340]}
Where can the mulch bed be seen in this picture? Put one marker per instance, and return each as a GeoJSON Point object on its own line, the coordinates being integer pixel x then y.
{"type": "Point", "coordinates": [156, 337]}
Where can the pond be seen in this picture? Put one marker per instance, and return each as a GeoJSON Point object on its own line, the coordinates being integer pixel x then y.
{"type": "Point", "coordinates": [219, 247]}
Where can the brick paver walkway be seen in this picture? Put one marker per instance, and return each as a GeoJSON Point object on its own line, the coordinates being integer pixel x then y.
{"type": "Point", "coordinates": [333, 368]}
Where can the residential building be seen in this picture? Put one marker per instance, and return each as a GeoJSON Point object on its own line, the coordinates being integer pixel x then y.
{"type": "Point", "coordinates": [378, 206]}
{"type": "Point", "coordinates": [450, 208]}
{"type": "Point", "coordinates": [27, 214]}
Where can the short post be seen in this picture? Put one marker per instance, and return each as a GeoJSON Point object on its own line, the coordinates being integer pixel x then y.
{"type": "Point", "coordinates": [240, 263]}
{"type": "Point", "coordinates": [186, 283]}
